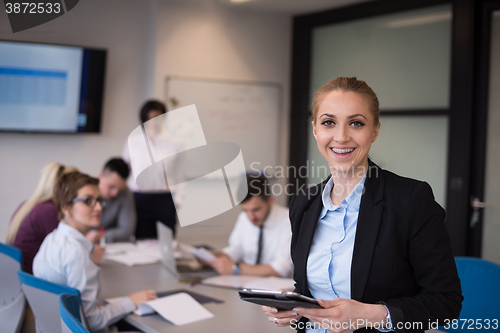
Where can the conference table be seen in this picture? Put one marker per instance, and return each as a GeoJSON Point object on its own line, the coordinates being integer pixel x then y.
{"type": "Point", "coordinates": [234, 315]}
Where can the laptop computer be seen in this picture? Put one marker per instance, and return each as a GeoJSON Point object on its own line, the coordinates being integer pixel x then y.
{"type": "Point", "coordinates": [165, 240]}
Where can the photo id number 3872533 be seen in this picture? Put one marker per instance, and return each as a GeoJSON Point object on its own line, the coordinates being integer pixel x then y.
{"type": "Point", "coordinates": [477, 324]}
{"type": "Point", "coordinates": [33, 8]}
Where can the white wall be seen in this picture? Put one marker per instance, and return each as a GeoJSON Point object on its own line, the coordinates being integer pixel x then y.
{"type": "Point", "coordinates": [146, 41]}
{"type": "Point", "coordinates": [125, 29]}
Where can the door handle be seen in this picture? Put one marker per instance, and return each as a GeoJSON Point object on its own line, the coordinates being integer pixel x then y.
{"type": "Point", "coordinates": [476, 204]}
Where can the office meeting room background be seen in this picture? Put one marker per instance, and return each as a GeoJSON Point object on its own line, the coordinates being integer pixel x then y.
{"type": "Point", "coordinates": [146, 41]}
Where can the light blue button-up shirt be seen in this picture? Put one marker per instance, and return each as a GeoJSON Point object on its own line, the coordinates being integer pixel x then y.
{"type": "Point", "coordinates": [330, 257]}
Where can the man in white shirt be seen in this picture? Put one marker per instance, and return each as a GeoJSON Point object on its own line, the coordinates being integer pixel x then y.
{"type": "Point", "coordinates": [260, 241]}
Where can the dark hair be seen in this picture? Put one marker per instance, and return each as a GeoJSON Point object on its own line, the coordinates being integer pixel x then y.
{"type": "Point", "coordinates": [67, 188]}
{"type": "Point", "coordinates": [347, 84]}
{"type": "Point", "coordinates": [257, 185]}
{"type": "Point", "coordinates": [119, 166]}
{"type": "Point", "coordinates": [151, 105]}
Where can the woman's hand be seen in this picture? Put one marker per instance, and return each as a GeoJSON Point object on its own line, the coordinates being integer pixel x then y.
{"type": "Point", "coordinates": [280, 318]}
{"type": "Point", "coordinates": [97, 254]}
{"type": "Point", "coordinates": [142, 296]}
{"type": "Point", "coordinates": [345, 315]}
{"type": "Point", "coordinates": [93, 236]}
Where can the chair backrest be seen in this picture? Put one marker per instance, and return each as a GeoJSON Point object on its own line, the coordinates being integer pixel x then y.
{"type": "Point", "coordinates": [12, 300]}
{"type": "Point", "coordinates": [480, 280]}
{"type": "Point", "coordinates": [43, 297]}
{"type": "Point", "coordinates": [69, 310]}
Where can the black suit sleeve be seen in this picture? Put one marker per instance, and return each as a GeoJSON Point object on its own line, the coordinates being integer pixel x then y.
{"type": "Point", "coordinates": [433, 264]}
{"type": "Point", "coordinates": [291, 215]}
{"type": "Point", "coordinates": [294, 213]}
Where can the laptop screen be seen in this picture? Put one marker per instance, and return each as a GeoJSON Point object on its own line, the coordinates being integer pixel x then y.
{"type": "Point", "coordinates": [165, 238]}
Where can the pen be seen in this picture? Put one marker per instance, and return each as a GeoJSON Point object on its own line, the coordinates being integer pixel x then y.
{"type": "Point", "coordinates": [102, 240]}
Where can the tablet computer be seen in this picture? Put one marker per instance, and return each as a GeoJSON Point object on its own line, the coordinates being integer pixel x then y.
{"type": "Point", "coordinates": [282, 300]}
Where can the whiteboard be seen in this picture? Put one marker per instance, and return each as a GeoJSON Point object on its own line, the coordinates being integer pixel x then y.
{"type": "Point", "coordinates": [245, 113]}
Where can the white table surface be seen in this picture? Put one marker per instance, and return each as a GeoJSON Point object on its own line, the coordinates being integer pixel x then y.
{"type": "Point", "coordinates": [234, 315]}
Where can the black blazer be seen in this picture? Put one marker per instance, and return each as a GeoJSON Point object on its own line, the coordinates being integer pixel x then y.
{"type": "Point", "coordinates": [402, 255]}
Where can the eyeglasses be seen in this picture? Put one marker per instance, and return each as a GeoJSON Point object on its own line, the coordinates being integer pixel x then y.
{"type": "Point", "coordinates": [90, 201]}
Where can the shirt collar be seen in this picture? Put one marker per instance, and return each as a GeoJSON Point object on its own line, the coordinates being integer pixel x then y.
{"type": "Point", "coordinates": [270, 219]}
{"type": "Point", "coordinates": [68, 230]}
{"type": "Point", "coordinates": [352, 201]}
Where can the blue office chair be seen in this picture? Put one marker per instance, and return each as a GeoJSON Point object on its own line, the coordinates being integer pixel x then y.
{"type": "Point", "coordinates": [12, 300]}
{"type": "Point", "coordinates": [69, 310]}
{"type": "Point", "coordinates": [480, 281]}
{"type": "Point", "coordinates": [43, 297]}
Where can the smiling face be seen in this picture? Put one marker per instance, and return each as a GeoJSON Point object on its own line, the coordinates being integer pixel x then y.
{"type": "Point", "coordinates": [81, 216]}
{"type": "Point", "coordinates": [344, 128]}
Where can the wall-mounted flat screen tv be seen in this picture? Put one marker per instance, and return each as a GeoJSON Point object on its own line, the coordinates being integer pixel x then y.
{"type": "Point", "coordinates": [51, 88]}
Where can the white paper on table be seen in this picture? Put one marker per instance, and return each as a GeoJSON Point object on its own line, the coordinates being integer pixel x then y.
{"type": "Point", "coordinates": [148, 243]}
{"type": "Point", "coordinates": [132, 258]}
{"type": "Point", "coordinates": [149, 247]}
{"type": "Point", "coordinates": [203, 254]}
{"type": "Point", "coordinates": [179, 309]}
{"type": "Point", "coordinates": [155, 253]}
{"type": "Point", "coordinates": [271, 283]}
{"type": "Point", "coordinates": [230, 281]}
{"type": "Point", "coordinates": [131, 254]}
{"type": "Point", "coordinates": [186, 247]}
{"type": "Point", "coordinates": [200, 253]}
{"type": "Point", "coordinates": [119, 248]}
{"type": "Point", "coordinates": [144, 309]}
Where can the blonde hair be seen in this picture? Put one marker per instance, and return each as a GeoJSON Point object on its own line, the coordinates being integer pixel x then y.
{"type": "Point", "coordinates": [351, 84]}
{"type": "Point", "coordinates": [51, 173]}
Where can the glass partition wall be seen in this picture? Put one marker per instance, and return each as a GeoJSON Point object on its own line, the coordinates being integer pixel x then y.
{"type": "Point", "coordinates": [405, 58]}
{"type": "Point", "coordinates": [491, 228]}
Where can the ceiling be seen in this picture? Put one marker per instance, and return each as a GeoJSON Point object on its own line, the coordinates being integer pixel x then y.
{"type": "Point", "coordinates": [294, 7]}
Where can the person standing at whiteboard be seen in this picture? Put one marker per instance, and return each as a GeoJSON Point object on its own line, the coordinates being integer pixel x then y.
{"type": "Point", "coordinates": [153, 199]}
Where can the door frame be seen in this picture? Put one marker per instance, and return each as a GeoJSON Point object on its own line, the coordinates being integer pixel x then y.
{"type": "Point", "coordinates": [480, 122]}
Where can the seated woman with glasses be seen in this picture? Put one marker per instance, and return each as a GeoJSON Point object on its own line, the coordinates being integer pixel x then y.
{"type": "Point", "coordinates": [65, 256]}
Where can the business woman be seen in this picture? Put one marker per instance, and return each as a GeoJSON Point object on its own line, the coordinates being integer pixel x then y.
{"type": "Point", "coordinates": [370, 245]}
{"type": "Point", "coordinates": [65, 256]}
